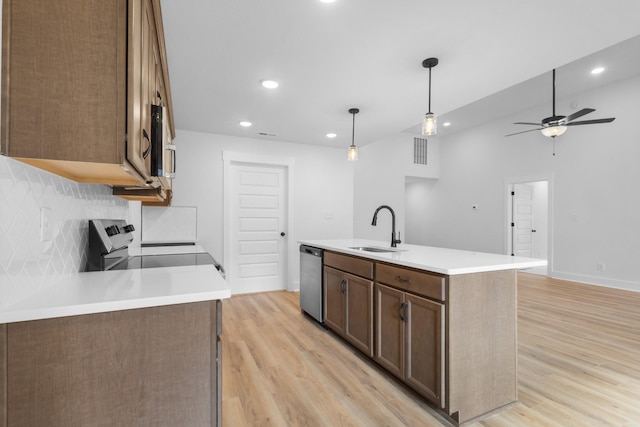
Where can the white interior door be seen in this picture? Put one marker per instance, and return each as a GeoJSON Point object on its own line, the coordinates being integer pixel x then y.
{"type": "Point", "coordinates": [523, 228]}
{"type": "Point", "coordinates": [257, 221]}
{"type": "Point", "coordinates": [529, 202]}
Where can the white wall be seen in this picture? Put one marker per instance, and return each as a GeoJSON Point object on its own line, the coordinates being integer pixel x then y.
{"type": "Point", "coordinates": [322, 185]}
{"type": "Point", "coordinates": [595, 189]}
{"type": "Point", "coordinates": [380, 177]}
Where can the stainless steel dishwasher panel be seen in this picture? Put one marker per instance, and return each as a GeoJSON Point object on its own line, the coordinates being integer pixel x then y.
{"type": "Point", "coordinates": [311, 282]}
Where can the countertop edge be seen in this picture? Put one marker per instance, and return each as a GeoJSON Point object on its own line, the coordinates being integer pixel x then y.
{"type": "Point", "coordinates": [110, 306]}
{"type": "Point", "coordinates": [343, 246]}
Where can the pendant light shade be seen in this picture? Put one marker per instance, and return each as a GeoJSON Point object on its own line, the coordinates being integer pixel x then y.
{"type": "Point", "coordinates": [553, 131]}
{"type": "Point", "coordinates": [430, 124]}
{"type": "Point", "coordinates": [352, 154]}
{"type": "Point", "coordinates": [430, 121]}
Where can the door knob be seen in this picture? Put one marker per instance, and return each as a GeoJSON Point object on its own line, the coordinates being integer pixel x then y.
{"type": "Point", "coordinates": [282, 234]}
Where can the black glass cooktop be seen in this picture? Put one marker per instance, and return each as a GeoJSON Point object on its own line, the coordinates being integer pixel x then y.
{"type": "Point", "coordinates": [168, 260]}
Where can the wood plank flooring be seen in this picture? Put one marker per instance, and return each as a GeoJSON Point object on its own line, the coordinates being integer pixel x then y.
{"type": "Point", "coordinates": [579, 365]}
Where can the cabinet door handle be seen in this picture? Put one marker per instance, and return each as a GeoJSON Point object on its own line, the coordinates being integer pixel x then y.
{"type": "Point", "coordinates": [403, 311]}
{"type": "Point", "coordinates": [402, 279]}
{"type": "Point", "coordinates": [146, 152]}
{"type": "Point", "coordinates": [171, 148]}
{"type": "Point", "coordinates": [343, 286]}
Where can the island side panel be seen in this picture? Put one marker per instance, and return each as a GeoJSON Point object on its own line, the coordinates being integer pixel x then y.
{"type": "Point", "coordinates": [3, 375]}
{"type": "Point", "coordinates": [148, 366]}
{"type": "Point", "coordinates": [216, 363]}
{"type": "Point", "coordinates": [482, 342]}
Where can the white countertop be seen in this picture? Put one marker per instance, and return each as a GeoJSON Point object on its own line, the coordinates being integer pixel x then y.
{"type": "Point", "coordinates": [438, 260]}
{"type": "Point", "coordinates": [102, 291]}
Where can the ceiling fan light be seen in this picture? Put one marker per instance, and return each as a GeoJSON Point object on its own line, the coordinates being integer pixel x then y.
{"type": "Point", "coordinates": [553, 131]}
{"type": "Point", "coordinates": [352, 154]}
{"type": "Point", "coordinates": [430, 124]}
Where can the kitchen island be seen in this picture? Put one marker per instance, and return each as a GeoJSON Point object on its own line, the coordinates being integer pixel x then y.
{"type": "Point", "coordinates": [441, 320]}
{"type": "Point", "coordinates": [130, 347]}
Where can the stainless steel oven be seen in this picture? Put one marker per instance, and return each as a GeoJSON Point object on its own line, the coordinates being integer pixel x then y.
{"type": "Point", "coordinates": [109, 242]}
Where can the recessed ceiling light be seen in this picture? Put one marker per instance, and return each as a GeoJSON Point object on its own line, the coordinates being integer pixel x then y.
{"type": "Point", "coordinates": [327, 1]}
{"type": "Point", "coordinates": [446, 124]}
{"type": "Point", "coordinates": [245, 124]}
{"type": "Point", "coordinates": [331, 135]}
{"type": "Point", "coordinates": [597, 70]}
{"type": "Point", "coordinates": [269, 84]}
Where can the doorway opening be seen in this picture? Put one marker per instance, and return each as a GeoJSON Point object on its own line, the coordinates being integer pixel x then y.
{"type": "Point", "coordinates": [529, 229]}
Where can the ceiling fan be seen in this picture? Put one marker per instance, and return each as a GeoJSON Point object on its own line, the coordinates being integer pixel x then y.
{"type": "Point", "coordinates": [557, 125]}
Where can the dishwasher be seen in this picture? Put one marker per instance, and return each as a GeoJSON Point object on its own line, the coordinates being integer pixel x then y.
{"type": "Point", "coordinates": [311, 289]}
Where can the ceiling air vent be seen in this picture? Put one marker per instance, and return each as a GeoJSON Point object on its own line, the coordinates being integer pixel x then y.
{"type": "Point", "coordinates": [420, 151]}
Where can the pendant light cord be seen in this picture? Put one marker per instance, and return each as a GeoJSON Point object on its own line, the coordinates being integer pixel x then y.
{"type": "Point", "coordinates": [353, 129]}
{"type": "Point", "coordinates": [429, 109]}
{"type": "Point", "coordinates": [554, 93]}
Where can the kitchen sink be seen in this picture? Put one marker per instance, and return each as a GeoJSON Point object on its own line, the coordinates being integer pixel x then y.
{"type": "Point", "coordinates": [375, 249]}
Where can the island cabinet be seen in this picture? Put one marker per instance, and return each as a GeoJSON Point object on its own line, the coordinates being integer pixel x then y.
{"type": "Point", "coordinates": [451, 338]}
{"type": "Point", "coordinates": [78, 84]}
{"type": "Point", "coordinates": [410, 328]}
{"type": "Point", "coordinates": [151, 366]}
{"type": "Point", "coordinates": [348, 299]}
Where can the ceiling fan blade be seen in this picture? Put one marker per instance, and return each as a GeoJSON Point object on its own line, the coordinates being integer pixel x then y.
{"type": "Point", "coordinates": [527, 123]}
{"type": "Point", "coordinates": [524, 131]}
{"type": "Point", "coordinates": [591, 122]}
{"type": "Point", "coordinates": [577, 114]}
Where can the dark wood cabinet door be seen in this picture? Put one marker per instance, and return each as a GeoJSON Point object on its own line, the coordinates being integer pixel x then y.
{"type": "Point", "coordinates": [66, 88]}
{"type": "Point", "coordinates": [141, 73]}
{"type": "Point", "coordinates": [359, 315]}
{"type": "Point", "coordinates": [334, 285]}
{"type": "Point", "coordinates": [424, 347]}
{"type": "Point", "coordinates": [389, 351]}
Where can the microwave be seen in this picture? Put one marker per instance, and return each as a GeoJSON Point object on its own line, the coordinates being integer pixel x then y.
{"type": "Point", "coordinates": [163, 152]}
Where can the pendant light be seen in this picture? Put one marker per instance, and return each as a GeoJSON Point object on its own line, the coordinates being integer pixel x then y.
{"type": "Point", "coordinates": [430, 122]}
{"type": "Point", "coordinates": [352, 154]}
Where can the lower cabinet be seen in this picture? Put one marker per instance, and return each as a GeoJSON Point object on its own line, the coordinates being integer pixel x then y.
{"type": "Point", "coordinates": [409, 340]}
{"type": "Point", "coordinates": [452, 339]}
{"type": "Point", "coordinates": [349, 307]}
{"type": "Point", "coordinates": [150, 366]}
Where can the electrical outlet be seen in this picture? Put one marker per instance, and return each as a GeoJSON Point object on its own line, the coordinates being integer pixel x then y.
{"type": "Point", "coordinates": [601, 267]}
{"type": "Point", "coordinates": [45, 224]}
{"type": "Point", "coordinates": [475, 207]}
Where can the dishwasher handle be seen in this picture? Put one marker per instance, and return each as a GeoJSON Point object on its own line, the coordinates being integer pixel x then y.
{"type": "Point", "coordinates": [310, 250]}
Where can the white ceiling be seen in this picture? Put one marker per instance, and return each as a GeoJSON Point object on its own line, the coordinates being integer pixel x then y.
{"type": "Point", "coordinates": [368, 54]}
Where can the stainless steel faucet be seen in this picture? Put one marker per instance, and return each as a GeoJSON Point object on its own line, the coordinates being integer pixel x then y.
{"type": "Point", "coordinates": [394, 241]}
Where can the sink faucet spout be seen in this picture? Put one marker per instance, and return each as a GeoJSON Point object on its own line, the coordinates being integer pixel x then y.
{"type": "Point", "coordinates": [374, 222]}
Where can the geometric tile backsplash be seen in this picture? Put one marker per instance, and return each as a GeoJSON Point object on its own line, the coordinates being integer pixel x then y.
{"type": "Point", "coordinates": [27, 261]}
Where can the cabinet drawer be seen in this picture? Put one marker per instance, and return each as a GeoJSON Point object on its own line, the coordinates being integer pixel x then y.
{"type": "Point", "coordinates": [419, 282]}
{"type": "Point", "coordinates": [358, 266]}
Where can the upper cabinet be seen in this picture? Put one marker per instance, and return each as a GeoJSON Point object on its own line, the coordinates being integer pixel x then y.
{"type": "Point", "coordinates": [78, 83]}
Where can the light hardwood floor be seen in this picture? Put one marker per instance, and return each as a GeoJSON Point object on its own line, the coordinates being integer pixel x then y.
{"type": "Point", "coordinates": [578, 365]}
